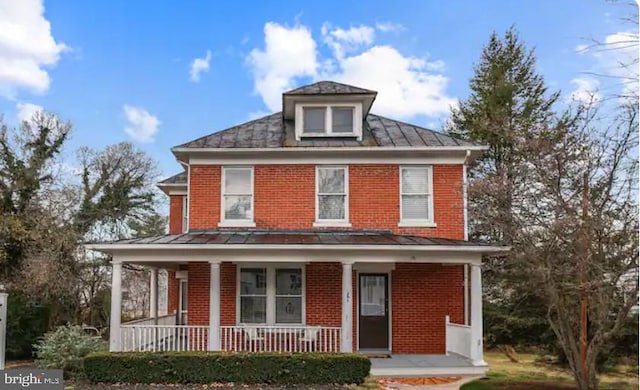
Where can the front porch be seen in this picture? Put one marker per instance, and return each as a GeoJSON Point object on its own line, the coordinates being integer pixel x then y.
{"type": "Point", "coordinates": [368, 296]}
{"type": "Point", "coordinates": [368, 292]}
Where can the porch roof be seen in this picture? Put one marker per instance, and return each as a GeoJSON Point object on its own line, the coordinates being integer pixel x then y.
{"type": "Point", "coordinates": [325, 239]}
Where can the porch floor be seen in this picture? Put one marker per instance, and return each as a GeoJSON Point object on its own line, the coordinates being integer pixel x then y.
{"type": "Point", "coordinates": [424, 365]}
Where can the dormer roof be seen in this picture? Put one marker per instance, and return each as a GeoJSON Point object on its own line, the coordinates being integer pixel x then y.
{"type": "Point", "coordinates": [330, 88]}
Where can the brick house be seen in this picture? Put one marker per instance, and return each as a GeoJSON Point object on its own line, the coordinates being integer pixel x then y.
{"type": "Point", "coordinates": [323, 227]}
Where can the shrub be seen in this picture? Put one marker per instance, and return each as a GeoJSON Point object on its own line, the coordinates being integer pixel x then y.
{"type": "Point", "coordinates": [65, 348]}
{"type": "Point", "coordinates": [27, 321]}
{"type": "Point", "coordinates": [210, 367]}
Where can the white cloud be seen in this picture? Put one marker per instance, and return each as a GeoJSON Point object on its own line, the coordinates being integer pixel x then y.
{"type": "Point", "coordinates": [407, 85]}
{"type": "Point", "coordinates": [289, 53]}
{"type": "Point", "coordinates": [343, 41]}
{"type": "Point", "coordinates": [25, 111]}
{"type": "Point", "coordinates": [617, 58]}
{"type": "Point", "coordinates": [390, 27]}
{"type": "Point", "coordinates": [26, 47]}
{"type": "Point", "coordinates": [586, 91]}
{"type": "Point", "coordinates": [198, 66]}
{"type": "Point", "coordinates": [142, 126]}
{"type": "Point", "coordinates": [620, 57]}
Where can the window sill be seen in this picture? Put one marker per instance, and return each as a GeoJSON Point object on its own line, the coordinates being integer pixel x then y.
{"type": "Point", "coordinates": [331, 224]}
{"type": "Point", "coordinates": [417, 224]}
{"type": "Point", "coordinates": [237, 224]}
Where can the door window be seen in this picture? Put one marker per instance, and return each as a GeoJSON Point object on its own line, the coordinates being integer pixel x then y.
{"type": "Point", "coordinates": [372, 295]}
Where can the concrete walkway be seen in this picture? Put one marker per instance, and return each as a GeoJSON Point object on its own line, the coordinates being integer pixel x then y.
{"type": "Point", "coordinates": [424, 366]}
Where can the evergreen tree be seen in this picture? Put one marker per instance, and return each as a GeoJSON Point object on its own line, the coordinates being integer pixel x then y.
{"type": "Point", "coordinates": [509, 105]}
{"type": "Point", "coordinates": [561, 189]}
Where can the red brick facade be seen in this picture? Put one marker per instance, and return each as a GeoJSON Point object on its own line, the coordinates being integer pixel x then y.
{"type": "Point", "coordinates": [172, 292]}
{"type": "Point", "coordinates": [175, 214]}
{"type": "Point", "coordinates": [284, 198]}
{"type": "Point", "coordinates": [421, 296]}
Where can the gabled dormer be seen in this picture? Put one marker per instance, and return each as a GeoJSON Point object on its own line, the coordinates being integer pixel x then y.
{"type": "Point", "coordinates": [327, 109]}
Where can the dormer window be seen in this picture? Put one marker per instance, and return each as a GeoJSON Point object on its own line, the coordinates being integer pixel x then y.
{"type": "Point", "coordinates": [313, 120]}
{"type": "Point", "coordinates": [328, 120]}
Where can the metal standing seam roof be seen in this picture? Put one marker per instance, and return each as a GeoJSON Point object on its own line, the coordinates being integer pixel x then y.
{"type": "Point", "coordinates": [231, 238]}
{"type": "Point", "coordinates": [272, 131]}
{"type": "Point", "coordinates": [180, 178]}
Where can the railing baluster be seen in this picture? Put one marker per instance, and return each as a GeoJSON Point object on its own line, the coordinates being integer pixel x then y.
{"type": "Point", "coordinates": [161, 338]}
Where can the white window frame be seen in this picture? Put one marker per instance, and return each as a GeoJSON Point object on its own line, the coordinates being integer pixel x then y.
{"type": "Point", "coordinates": [418, 222]}
{"type": "Point", "coordinates": [185, 213]}
{"type": "Point", "coordinates": [333, 222]}
{"type": "Point", "coordinates": [236, 222]}
{"type": "Point", "coordinates": [328, 128]}
{"type": "Point", "coordinates": [271, 292]}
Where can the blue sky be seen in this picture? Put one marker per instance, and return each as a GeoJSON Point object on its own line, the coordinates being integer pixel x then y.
{"type": "Point", "coordinates": [122, 70]}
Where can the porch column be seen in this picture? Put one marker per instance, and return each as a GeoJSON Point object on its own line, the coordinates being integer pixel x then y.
{"type": "Point", "coordinates": [476, 316]}
{"type": "Point", "coordinates": [116, 304]}
{"type": "Point", "coordinates": [214, 306]}
{"type": "Point", "coordinates": [153, 294]}
{"type": "Point", "coordinates": [347, 308]}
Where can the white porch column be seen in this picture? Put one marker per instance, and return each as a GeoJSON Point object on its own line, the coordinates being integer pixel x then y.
{"type": "Point", "coordinates": [347, 308]}
{"type": "Point", "coordinates": [153, 294]}
{"type": "Point", "coordinates": [214, 306]}
{"type": "Point", "coordinates": [477, 356]}
{"type": "Point", "coordinates": [116, 306]}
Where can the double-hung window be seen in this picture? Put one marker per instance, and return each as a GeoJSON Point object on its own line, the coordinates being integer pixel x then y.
{"type": "Point", "coordinates": [253, 295]}
{"type": "Point", "coordinates": [332, 195]}
{"type": "Point", "coordinates": [185, 213]}
{"type": "Point", "coordinates": [329, 120]}
{"type": "Point", "coordinates": [416, 196]}
{"type": "Point", "coordinates": [271, 295]}
{"type": "Point", "coordinates": [237, 196]}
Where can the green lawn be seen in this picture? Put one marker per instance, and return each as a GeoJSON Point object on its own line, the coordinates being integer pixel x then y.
{"type": "Point", "coordinates": [530, 374]}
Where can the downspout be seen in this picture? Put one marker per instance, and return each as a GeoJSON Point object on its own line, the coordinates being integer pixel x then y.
{"type": "Point", "coordinates": [465, 212]}
{"type": "Point", "coordinates": [465, 195]}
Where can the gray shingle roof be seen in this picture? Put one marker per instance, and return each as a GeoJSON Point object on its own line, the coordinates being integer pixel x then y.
{"type": "Point", "coordinates": [180, 178]}
{"type": "Point", "coordinates": [329, 88]}
{"type": "Point", "coordinates": [295, 237]}
{"type": "Point", "coordinates": [272, 131]}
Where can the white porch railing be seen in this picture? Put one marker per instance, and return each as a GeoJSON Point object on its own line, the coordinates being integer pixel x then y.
{"type": "Point", "coordinates": [280, 338]}
{"type": "Point", "coordinates": [164, 320]}
{"type": "Point", "coordinates": [458, 338]}
{"type": "Point", "coordinates": [145, 335]}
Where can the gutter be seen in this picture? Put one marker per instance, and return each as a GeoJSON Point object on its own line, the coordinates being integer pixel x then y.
{"type": "Point", "coordinates": [334, 149]}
